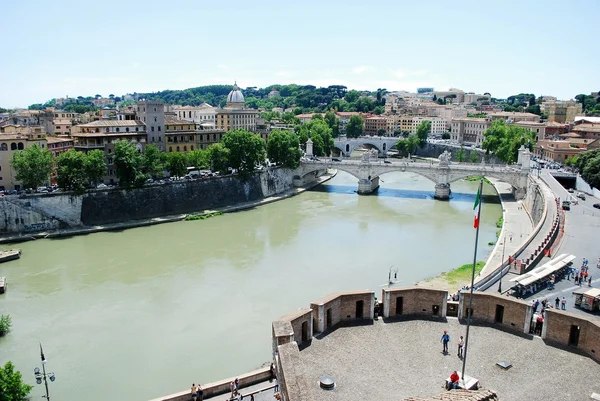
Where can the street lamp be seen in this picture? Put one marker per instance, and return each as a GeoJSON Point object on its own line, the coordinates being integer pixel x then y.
{"type": "Point", "coordinates": [502, 261]}
{"type": "Point", "coordinates": [43, 375]}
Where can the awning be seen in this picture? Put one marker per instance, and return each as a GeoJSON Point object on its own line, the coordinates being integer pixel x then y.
{"type": "Point", "coordinates": [545, 270]}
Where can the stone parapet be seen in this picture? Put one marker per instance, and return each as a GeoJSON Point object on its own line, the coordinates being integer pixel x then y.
{"type": "Point", "coordinates": [496, 310]}
{"type": "Point", "coordinates": [343, 307]}
{"type": "Point", "coordinates": [414, 301]}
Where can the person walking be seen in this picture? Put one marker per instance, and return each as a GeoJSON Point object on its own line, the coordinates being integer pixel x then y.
{"type": "Point", "coordinates": [556, 302]}
{"type": "Point", "coordinates": [445, 340]}
{"type": "Point", "coordinates": [563, 303]}
{"type": "Point", "coordinates": [461, 343]}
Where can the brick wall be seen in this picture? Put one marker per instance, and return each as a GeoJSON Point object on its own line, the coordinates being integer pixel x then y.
{"type": "Point", "coordinates": [415, 301]}
{"type": "Point", "coordinates": [557, 330]}
{"type": "Point", "coordinates": [295, 321]}
{"type": "Point", "coordinates": [342, 307]}
{"type": "Point", "coordinates": [516, 314]}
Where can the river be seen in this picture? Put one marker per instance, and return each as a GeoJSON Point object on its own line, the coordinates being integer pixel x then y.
{"type": "Point", "coordinates": [142, 313]}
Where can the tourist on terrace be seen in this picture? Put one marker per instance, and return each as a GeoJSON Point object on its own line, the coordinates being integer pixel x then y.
{"type": "Point", "coordinates": [563, 303]}
{"type": "Point", "coordinates": [454, 378]}
{"type": "Point", "coordinates": [461, 343]}
{"type": "Point", "coordinates": [445, 340]}
{"type": "Point", "coordinates": [194, 392]}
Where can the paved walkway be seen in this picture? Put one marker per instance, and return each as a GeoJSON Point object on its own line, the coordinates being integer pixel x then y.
{"type": "Point", "coordinates": [267, 395]}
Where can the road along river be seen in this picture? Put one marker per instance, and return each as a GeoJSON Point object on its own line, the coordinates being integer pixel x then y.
{"type": "Point", "coordinates": [141, 313]}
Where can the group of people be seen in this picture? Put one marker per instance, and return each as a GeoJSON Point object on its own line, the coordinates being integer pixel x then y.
{"type": "Point", "coordinates": [582, 275]}
{"type": "Point", "coordinates": [197, 392]}
{"type": "Point", "coordinates": [445, 340]}
{"type": "Point", "coordinates": [538, 317]}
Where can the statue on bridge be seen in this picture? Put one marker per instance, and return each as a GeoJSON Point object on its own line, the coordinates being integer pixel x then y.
{"type": "Point", "coordinates": [445, 158]}
{"type": "Point", "coordinates": [370, 154]}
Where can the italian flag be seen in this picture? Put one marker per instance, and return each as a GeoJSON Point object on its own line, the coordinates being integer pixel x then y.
{"type": "Point", "coordinates": [477, 208]}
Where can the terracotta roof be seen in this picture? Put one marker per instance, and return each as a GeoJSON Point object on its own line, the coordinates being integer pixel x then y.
{"type": "Point", "coordinates": [106, 134]}
{"type": "Point", "coordinates": [113, 123]}
{"type": "Point", "coordinates": [587, 127]}
{"type": "Point", "coordinates": [57, 139]}
{"type": "Point", "coordinates": [570, 135]}
{"type": "Point", "coordinates": [174, 120]}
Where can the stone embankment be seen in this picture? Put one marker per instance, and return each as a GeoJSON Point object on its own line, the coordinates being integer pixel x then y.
{"type": "Point", "coordinates": [64, 214]}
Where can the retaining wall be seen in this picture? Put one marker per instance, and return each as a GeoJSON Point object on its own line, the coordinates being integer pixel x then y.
{"type": "Point", "coordinates": [46, 212]}
{"type": "Point", "coordinates": [416, 301]}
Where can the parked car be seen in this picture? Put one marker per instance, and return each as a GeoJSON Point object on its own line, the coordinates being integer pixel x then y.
{"type": "Point", "coordinates": [387, 162]}
{"type": "Point", "coordinates": [581, 196]}
{"type": "Point", "coordinates": [566, 205]}
{"type": "Point", "coordinates": [336, 159]}
{"type": "Point", "coordinates": [570, 190]}
{"type": "Point", "coordinates": [596, 205]}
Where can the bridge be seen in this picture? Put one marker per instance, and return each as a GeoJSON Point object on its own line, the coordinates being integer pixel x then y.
{"type": "Point", "coordinates": [442, 172]}
{"type": "Point", "coordinates": [347, 145]}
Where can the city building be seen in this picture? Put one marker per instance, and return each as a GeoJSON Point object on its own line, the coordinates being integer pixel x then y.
{"type": "Point", "coordinates": [344, 117]}
{"type": "Point", "coordinates": [513, 116]}
{"type": "Point", "coordinates": [375, 126]}
{"type": "Point", "coordinates": [587, 130]}
{"type": "Point", "coordinates": [59, 144]}
{"type": "Point", "coordinates": [57, 122]}
{"type": "Point", "coordinates": [438, 125]}
{"type": "Point", "coordinates": [469, 130]}
{"type": "Point", "coordinates": [103, 135]}
{"type": "Point", "coordinates": [204, 114]}
{"type": "Point", "coordinates": [304, 118]}
{"type": "Point", "coordinates": [235, 115]}
{"type": "Point", "coordinates": [180, 135]}
{"type": "Point", "coordinates": [16, 138]}
{"type": "Point", "coordinates": [452, 95]}
{"type": "Point", "coordinates": [561, 112]}
{"type": "Point", "coordinates": [539, 129]}
{"type": "Point", "coordinates": [475, 98]}
{"type": "Point", "coordinates": [560, 151]}
{"type": "Point", "coordinates": [152, 115]}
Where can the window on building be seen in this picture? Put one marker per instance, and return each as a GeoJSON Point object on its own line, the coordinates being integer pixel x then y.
{"type": "Point", "coordinates": [170, 148]}
{"type": "Point", "coordinates": [3, 147]}
{"type": "Point", "coordinates": [20, 146]}
{"type": "Point", "coordinates": [117, 129]}
{"type": "Point", "coordinates": [107, 129]}
{"type": "Point", "coordinates": [155, 109]}
{"type": "Point", "coordinates": [191, 147]}
{"type": "Point", "coordinates": [185, 148]}
{"type": "Point", "coordinates": [136, 129]}
{"type": "Point", "coordinates": [178, 148]}
{"type": "Point", "coordinates": [152, 128]}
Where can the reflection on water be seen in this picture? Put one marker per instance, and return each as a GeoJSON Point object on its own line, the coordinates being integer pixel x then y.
{"type": "Point", "coordinates": [136, 314]}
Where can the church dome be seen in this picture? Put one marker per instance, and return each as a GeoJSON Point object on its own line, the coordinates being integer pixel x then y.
{"type": "Point", "coordinates": [235, 96]}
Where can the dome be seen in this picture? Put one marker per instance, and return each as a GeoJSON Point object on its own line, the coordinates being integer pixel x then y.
{"type": "Point", "coordinates": [235, 96]}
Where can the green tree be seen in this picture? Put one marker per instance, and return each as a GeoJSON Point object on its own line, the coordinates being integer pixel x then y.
{"type": "Point", "coordinates": [219, 157]}
{"type": "Point", "coordinates": [355, 126]}
{"type": "Point", "coordinates": [12, 387]}
{"type": "Point", "coordinates": [70, 170]}
{"type": "Point", "coordinates": [474, 157]}
{"type": "Point", "coordinates": [128, 165]}
{"type": "Point", "coordinates": [5, 324]}
{"type": "Point", "coordinates": [200, 159]}
{"type": "Point", "coordinates": [176, 164]}
{"type": "Point", "coordinates": [379, 110]}
{"type": "Point", "coordinates": [334, 123]}
{"type": "Point", "coordinates": [423, 130]}
{"type": "Point", "coordinates": [246, 150]}
{"type": "Point", "coordinates": [152, 162]}
{"type": "Point", "coordinates": [321, 129]}
{"type": "Point", "coordinates": [504, 140]}
{"type": "Point", "coordinates": [446, 135]}
{"type": "Point", "coordinates": [460, 155]}
{"type": "Point", "coordinates": [380, 132]}
{"type": "Point", "coordinates": [352, 96]}
{"type": "Point", "coordinates": [588, 164]}
{"type": "Point", "coordinates": [571, 161]}
{"type": "Point", "coordinates": [318, 144]}
{"type": "Point", "coordinates": [95, 166]}
{"type": "Point", "coordinates": [407, 146]}
{"type": "Point", "coordinates": [283, 148]}
{"type": "Point", "coordinates": [32, 165]}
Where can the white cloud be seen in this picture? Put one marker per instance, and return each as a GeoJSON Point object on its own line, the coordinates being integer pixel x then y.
{"type": "Point", "coordinates": [360, 69]}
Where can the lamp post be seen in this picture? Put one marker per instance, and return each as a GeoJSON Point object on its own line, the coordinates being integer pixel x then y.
{"type": "Point", "coordinates": [502, 261]}
{"type": "Point", "coordinates": [43, 375]}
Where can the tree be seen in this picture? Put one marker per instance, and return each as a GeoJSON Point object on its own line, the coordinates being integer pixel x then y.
{"type": "Point", "coordinates": [176, 164]}
{"type": "Point", "coordinates": [505, 140]}
{"type": "Point", "coordinates": [128, 165]}
{"type": "Point", "coordinates": [434, 98]}
{"type": "Point", "coordinates": [588, 164]}
{"type": "Point", "coordinates": [446, 135]}
{"type": "Point", "coordinates": [283, 148]}
{"type": "Point", "coordinates": [352, 96]}
{"type": "Point", "coordinates": [407, 146]}
{"type": "Point", "coordinates": [5, 323]}
{"type": "Point", "coordinates": [152, 163]}
{"type": "Point", "coordinates": [460, 155]}
{"type": "Point", "coordinates": [219, 157]}
{"type": "Point", "coordinates": [423, 130]}
{"type": "Point", "coordinates": [380, 132]}
{"type": "Point", "coordinates": [571, 161]}
{"type": "Point", "coordinates": [334, 123]}
{"type": "Point", "coordinates": [76, 170]}
{"type": "Point", "coordinates": [321, 129]}
{"type": "Point", "coordinates": [32, 165]}
{"type": "Point", "coordinates": [318, 144]}
{"type": "Point", "coordinates": [95, 166]}
{"type": "Point", "coordinates": [474, 157]}
{"type": "Point", "coordinates": [200, 159]}
{"type": "Point", "coordinates": [12, 387]}
{"type": "Point", "coordinates": [246, 150]}
{"type": "Point", "coordinates": [355, 126]}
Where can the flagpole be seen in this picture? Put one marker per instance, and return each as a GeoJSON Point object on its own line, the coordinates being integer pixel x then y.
{"type": "Point", "coordinates": [462, 376]}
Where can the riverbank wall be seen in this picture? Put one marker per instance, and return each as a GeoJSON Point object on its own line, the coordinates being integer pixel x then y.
{"type": "Point", "coordinates": [30, 215]}
{"type": "Point", "coordinates": [436, 149]}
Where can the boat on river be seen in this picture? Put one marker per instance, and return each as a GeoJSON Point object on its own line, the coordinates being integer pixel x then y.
{"type": "Point", "coordinates": [10, 254]}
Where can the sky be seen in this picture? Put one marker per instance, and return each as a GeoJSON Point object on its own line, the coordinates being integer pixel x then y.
{"type": "Point", "coordinates": [52, 49]}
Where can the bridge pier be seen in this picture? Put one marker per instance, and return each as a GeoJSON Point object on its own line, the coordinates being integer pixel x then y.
{"type": "Point", "coordinates": [366, 186]}
{"type": "Point", "coordinates": [442, 191]}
